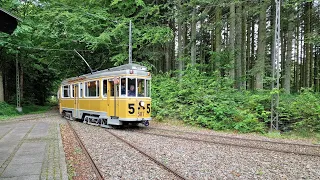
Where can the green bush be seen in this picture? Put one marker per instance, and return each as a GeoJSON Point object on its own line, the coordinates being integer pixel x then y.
{"type": "Point", "coordinates": [7, 110]}
{"type": "Point", "coordinates": [301, 112]}
{"type": "Point", "coordinates": [207, 101]}
{"type": "Point", "coordinates": [32, 109]}
{"type": "Point", "coordinates": [212, 102]}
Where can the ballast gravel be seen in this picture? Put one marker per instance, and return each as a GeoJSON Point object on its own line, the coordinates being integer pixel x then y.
{"type": "Point", "coordinates": [193, 160]}
{"type": "Point", "coordinates": [115, 159]}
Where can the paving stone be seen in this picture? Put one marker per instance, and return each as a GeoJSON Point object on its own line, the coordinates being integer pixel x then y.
{"type": "Point", "coordinates": [35, 153]}
{"type": "Point", "coordinates": [4, 130]}
{"type": "Point", "coordinates": [10, 141]}
{"type": "Point", "coordinates": [32, 158]}
{"type": "Point", "coordinates": [31, 148]}
{"type": "Point", "coordinates": [32, 177]}
{"type": "Point", "coordinates": [22, 170]}
{"type": "Point", "coordinates": [39, 131]}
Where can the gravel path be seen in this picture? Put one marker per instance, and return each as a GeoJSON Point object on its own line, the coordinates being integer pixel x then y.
{"type": "Point", "coordinates": [193, 160]}
{"type": "Point", "coordinates": [197, 160]}
{"type": "Point", "coordinates": [115, 159]}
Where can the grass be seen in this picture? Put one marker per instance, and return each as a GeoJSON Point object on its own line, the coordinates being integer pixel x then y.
{"type": "Point", "coordinates": [313, 137]}
{"type": "Point", "coordinates": [8, 111]}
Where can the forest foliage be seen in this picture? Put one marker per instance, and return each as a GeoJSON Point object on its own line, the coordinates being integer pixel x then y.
{"type": "Point", "coordinates": [210, 101]}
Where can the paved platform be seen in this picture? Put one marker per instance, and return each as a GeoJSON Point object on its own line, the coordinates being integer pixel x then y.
{"type": "Point", "coordinates": [32, 150]}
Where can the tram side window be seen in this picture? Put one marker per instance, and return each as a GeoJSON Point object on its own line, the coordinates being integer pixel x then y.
{"type": "Point", "coordinates": [132, 87]}
{"type": "Point", "coordinates": [66, 91]}
{"type": "Point", "coordinates": [92, 88]}
{"type": "Point", "coordinates": [141, 87]}
{"type": "Point", "coordinates": [112, 89]}
{"type": "Point", "coordinates": [123, 86]}
{"type": "Point", "coordinates": [105, 88]}
{"type": "Point", "coordinates": [148, 88]}
{"type": "Point", "coordinates": [73, 89]}
{"type": "Point", "coordinates": [80, 90]}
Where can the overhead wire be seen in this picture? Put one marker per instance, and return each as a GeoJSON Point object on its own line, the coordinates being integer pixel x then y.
{"type": "Point", "coordinates": [45, 49]}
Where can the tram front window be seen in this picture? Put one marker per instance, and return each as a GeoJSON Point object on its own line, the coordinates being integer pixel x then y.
{"type": "Point", "coordinates": [105, 86]}
{"type": "Point", "coordinates": [131, 87]}
{"type": "Point", "coordinates": [148, 88]}
{"type": "Point", "coordinates": [141, 87]}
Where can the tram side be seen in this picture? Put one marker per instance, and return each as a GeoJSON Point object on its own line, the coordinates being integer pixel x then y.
{"type": "Point", "coordinates": [105, 100]}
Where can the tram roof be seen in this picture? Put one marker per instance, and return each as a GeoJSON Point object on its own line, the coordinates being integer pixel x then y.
{"type": "Point", "coordinates": [115, 71]}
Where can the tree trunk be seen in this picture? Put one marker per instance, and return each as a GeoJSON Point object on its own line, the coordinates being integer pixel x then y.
{"type": "Point", "coordinates": [297, 64]}
{"type": "Point", "coordinates": [302, 61]}
{"type": "Point", "coordinates": [232, 40]}
{"type": "Point", "coordinates": [307, 30]}
{"type": "Point", "coordinates": [180, 40]}
{"type": "Point", "coordinates": [316, 71]}
{"type": "Point", "coordinates": [243, 50]}
{"type": "Point", "coordinates": [218, 31]}
{"type": "Point", "coordinates": [283, 54]}
{"type": "Point", "coordinates": [252, 58]}
{"type": "Point", "coordinates": [287, 75]}
{"type": "Point", "coordinates": [201, 47]}
{"type": "Point", "coordinates": [238, 50]}
{"type": "Point", "coordinates": [172, 47]}
{"type": "Point", "coordinates": [1, 87]}
{"type": "Point", "coordinates": [193, 36]}
{"type": "Point", "coordinates": [167, 56]}
{"type": "Point", "coordinates": [248, 58]}
{"type": "Point", "coordinates": [259, 66]}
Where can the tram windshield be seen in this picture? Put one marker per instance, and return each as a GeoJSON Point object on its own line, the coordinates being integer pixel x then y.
{"type": "Point", "coordinates": [137, 87]}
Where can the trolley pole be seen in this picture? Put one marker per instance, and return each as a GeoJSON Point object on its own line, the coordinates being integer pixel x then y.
{"type": "Point", "coordinates": [274, 125]}
{"type": "Point", "coordinates": [130, 44]}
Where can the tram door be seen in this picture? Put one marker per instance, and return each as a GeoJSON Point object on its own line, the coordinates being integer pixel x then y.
{"type": "Point", "coordinates": [113, 95]}
{"type": "Point", "coordinates": [76, 99]}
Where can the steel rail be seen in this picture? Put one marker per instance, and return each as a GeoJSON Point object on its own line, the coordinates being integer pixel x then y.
{"type": "Point", "coordinates": [93, 165]}
{"type": "Point", "coordinates": [230, 144]}
{"type": "Point", "coordinates": [148, 156]}
{"type": "Point", "coordinates": [237, 138]}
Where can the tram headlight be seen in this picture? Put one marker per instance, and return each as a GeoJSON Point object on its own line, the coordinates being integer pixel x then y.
{"type": "Point", "coordinates": [141, 103]}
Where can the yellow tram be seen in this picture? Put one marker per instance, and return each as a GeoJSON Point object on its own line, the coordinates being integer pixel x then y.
{"type": "Point", "coordinates": [115, 96]}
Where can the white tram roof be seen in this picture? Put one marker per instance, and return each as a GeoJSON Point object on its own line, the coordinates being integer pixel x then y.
{"type": "Point", "coordinates": [115, 71]}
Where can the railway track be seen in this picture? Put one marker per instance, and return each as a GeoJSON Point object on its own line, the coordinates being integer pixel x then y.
{"type": "Point", "coordinates": [284, 147]}
{"type": "Point", "coordinates": [238, 138]}
{"type": "Point", "coordinates": [176, 174]}
{"type": "Point", "coordinates": [93, 165]}
{"type": "Point", "coordinates": [96, 169]}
